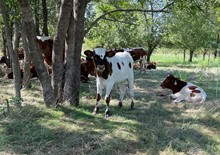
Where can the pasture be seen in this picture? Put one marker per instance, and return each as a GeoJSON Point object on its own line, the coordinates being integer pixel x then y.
{"type": "Point", "coordinates": [155, 126]}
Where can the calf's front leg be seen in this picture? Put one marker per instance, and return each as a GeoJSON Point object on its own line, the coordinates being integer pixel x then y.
{"type": "Point", "coordinates": [96, 109]}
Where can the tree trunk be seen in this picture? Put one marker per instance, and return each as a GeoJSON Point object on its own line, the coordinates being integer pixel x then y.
{"type": "Point", "coordinates": [16, 39]}
{"type": "Point", "coordinates": [59, 48]}
{"type": "Point", "coordinates": [45, 19]}
{"type": "Point", "coordinates": [149, 55]}
{"type": "Point", "coordinates": [36, 14]}
{"type": "Point", "coordinates": [190, 55]}
{"type": "Point", "coordinates": [204, 54]}
{"type": "Point", "coordinates": [15, 63]}
{"type": "Point", "coordinates": [184, 55]}
{"type": "Point", "coordinates": [5, 51]}
{"type": "Point", "coordinates": [27, 59]}
{"type": "Point", "coordinates": [37, 59]}
{"type": "Point", "coordinates": [74, 40]}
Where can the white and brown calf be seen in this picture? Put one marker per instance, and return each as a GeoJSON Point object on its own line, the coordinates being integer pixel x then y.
{"type": "Point", "coordinates": [184, 91]}
{"type": "Point", "coordinates": [112, 68]}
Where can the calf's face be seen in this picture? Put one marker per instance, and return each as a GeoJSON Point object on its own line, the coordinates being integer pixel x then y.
{"type": "Point", "coordinates": [169, 82]}
{"type": "Point", "coordinates": [99, 55]}
{"type": "Point", "coordinates": [100, 58]}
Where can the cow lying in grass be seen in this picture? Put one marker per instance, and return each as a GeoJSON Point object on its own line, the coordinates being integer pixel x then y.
{"type": "Point", "coordinates": [184, 91]}
{"type": "Point", "coordinates": [112, 68]}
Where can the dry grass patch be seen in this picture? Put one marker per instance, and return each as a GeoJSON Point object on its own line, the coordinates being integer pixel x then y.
{"type": "Point", "coordinates": [155, 126]}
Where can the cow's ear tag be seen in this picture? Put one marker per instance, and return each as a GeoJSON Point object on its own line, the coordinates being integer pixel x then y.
{"type": "Point", "coordinates": [175, 82]}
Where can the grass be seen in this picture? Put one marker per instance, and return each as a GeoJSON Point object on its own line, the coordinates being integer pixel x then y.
{"type": "Point", "coordinates": [156, 126]}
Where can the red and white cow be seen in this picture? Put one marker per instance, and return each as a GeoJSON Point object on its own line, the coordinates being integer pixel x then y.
{"type": "Point", "coordinates": [151, 65]}
{"type": "Point", "coordinates": [33, 73]}
{"type": "Point", "coordinates": [138, 55]}
{"type": "Point", "coordinates": [183, 91]}
{"type": "Point", "coordinates": [45, 44]}
{"type": "Point", "coordinates": [87, 68]}
{"type": "Point", "coordinates": [112, 68]}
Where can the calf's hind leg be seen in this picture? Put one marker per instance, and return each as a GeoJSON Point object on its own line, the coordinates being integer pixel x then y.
{"type": "Point", "coordinates": [122, 89]}
{"type": "Point", "coordinates": [131, 92]}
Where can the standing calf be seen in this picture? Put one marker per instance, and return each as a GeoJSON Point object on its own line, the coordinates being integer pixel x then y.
{"type": "Point", "coordinates": [112, 68]}
{"type": "Point", "coordinates": [184, 91]}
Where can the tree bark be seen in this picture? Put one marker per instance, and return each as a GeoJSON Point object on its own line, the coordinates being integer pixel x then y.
{"type": "Point", "coordinates": [59, 48]}
{"type": "Point", "coordinates": [5, 51]}
{"type": "Point", "coordinates": [184, 55]}
{"type": "Point", "coordinates": [37, 59]}
{"type": "Point", "coordinates": [36, 15]}
{"type": "Point", "coordinates": [27, 59]}
{"type": "Point", "coordinates": [15, 63]}
{"type": "Point", "coordinates": [74, 41]}
{"type": "Point", "coordinates": [45, 19]}
{"type": "Point", "coordinates": [190, 55]}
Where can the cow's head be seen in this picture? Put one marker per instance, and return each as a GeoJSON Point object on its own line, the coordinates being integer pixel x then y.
{"type": "Point", "coordinates": [99, 55]}
{"type": "Point", "coordinates": [169, 82]}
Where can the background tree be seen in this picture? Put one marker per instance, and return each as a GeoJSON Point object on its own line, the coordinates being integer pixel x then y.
{"type": "Point", "coordinates": [12, 50]}
{"type": "Point", "coordinates": [27, 16]}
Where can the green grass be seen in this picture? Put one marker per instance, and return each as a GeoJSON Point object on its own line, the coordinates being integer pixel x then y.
{"type": "Point", "coordinates": [155, 126]}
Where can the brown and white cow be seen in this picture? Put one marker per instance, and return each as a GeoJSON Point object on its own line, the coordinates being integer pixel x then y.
{"type": "Point", "coordinates": [32, 72]}
{"type": "Point", "coordinates": [112, 68]}
{"type": "Point", "coordinates": [183, 91]}
{"type": "Point", "coordinates": [151, 65]}
{"type": "Point", "coordinates": [87, 68]}
{"type": "Point", "coordinates": [45, 44]}
{"type": "Point", "coordinates": [138, 55]}
{"type": "Point", "coordinates": [3, 60]}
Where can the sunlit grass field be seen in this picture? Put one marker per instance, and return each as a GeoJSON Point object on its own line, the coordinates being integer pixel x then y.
{"type": "Point", "coordinates": [155, 126]}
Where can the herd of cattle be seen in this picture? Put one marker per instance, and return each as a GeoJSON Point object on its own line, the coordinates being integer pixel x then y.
{"type": "Point", "coordinates": [114, 67]}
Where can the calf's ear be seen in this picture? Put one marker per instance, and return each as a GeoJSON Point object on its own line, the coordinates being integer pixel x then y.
{"type": "Point", "coordinates": [110, 53]}
{"type": "Point", "coordinates": [89, 53]}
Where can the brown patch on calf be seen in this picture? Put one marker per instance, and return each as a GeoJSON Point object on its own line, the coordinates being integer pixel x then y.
{"type": "Point", "coordinates": [196, 91]}
{"type": "Point", "coordinates": [110, 69]}
{"type": "Point", "coordinates": [192, 87]}
{"type": "Point", "coordinates": [130, 64]}
{"type": "Point", "coordinates": [119, 67]}
{"type": "Point", "coordinates": [107, 101]}
{"type": "Point", "coordinates": [98, 97]}
{"type": "Point", "coordinates": [107, 71]}
{"type": "Point", "coordinates": [192, 95]}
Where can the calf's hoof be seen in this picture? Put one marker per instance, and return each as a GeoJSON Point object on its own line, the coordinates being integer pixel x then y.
{"type": "Point", "coordinates": [120, 104]}
{"type": "Point", "coordinates": [95, 111]}
{"type": "Point", "coordinates": [107, 114]}
{"type": "Point", "coordinates": [132, 105]}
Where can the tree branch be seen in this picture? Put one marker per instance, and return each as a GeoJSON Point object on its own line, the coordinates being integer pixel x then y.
{"type": "Point", "coordinates": [124, 10]}
{"type": "Point", "coordinates": [115, 20]}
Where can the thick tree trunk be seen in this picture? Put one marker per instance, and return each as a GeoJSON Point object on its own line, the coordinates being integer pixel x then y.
{"type": "Point", "coordinates": [190, 55]}
{"type": "Point", "coordinates": [59, 48]}
{"type": "Point", "coordinates": [72, 70]}
{"type": "Point", "coordinates": [45, 15]}
{"type": "Point", "coordinates": [37, 59]}
{"type": "Point", "coordinates": [15, 63]}
{"type": "Point", "coordinates": [149, 55]}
